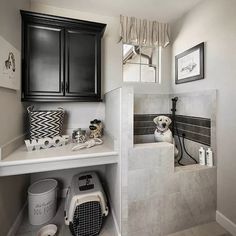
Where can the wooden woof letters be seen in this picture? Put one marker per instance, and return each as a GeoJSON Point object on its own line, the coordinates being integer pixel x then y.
{"type": "Point", "coordinates": [44, 143]}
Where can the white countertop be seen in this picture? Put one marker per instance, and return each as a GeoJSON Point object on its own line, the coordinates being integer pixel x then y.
{"type": "Point", "coordinates": [21, 161]}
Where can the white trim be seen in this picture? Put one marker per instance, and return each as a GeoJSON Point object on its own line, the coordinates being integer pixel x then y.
{"type": "Point", "coordinates": [14, 228]}
{"type": "Point", "coordinates": [115, 222]}
{"type": "Point", "coordinates": [226, 223]}
{"type": "Point", "coordinates": [117, 228]}
{"type": "Point", "coordinates": [11, 146]}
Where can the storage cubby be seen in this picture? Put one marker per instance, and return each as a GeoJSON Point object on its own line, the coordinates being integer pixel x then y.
{"type": "Point", "coordinates": [64, 178]}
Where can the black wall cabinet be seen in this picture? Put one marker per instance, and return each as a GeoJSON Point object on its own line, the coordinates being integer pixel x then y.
{"type": "Point", "coordinates": [61, 58]}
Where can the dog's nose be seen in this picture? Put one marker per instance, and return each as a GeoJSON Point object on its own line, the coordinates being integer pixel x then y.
{"type": "Point", "coordinates": [164, 125]}
{"type": "Point", "coordinates": [92, 127]}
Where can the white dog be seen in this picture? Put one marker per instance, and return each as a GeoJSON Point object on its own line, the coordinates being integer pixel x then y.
{"type": "Point", "coordinates": [162, 132]}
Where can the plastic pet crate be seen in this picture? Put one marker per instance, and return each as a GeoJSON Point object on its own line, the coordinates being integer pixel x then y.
{"type": "Point", "coordinates": [86, 205]}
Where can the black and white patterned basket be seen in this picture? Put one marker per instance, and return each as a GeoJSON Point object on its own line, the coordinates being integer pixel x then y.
{"type": "Point", "coordinates": [45, 123]}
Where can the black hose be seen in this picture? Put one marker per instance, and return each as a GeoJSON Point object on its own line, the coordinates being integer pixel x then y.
{"type": "Point", "coordinates": [180, 144]}
{"type": "Point", "coordinates": [187, 152]}
{"type": "Point", "coordinates": [174, 101]}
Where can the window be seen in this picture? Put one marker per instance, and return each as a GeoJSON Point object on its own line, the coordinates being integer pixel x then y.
{"type": "Point", "coordinates": [141, 64]}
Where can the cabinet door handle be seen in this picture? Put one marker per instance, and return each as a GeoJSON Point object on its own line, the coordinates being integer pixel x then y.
{"type": "Point", "coordinates": [62, 86]}
{"type": "Point", "coordinates": [67, 87]}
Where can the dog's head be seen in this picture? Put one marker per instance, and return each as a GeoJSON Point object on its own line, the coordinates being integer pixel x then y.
{"type": "Point", "coordinates": [95, 126]}
{"type": "Point", "coordinates": [162, 122]}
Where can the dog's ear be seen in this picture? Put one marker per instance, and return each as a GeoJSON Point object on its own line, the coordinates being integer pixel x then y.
{"type": "Point", "coordinates": [155, 120]}
{"type": "Point", "coordinates": [169, 121]}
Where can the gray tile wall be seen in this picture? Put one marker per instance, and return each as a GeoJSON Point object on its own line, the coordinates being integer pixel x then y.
{"type": "Point", "coordinates": [190, 104]}
{"type": "Point", "coordinates": [163, 199]}
{"type": "Point", "coordinates": [199, 104]}
{"type": "Point", "coordinates": [197, 129]}
{"type": "Point", "coordinates": [151, 103]}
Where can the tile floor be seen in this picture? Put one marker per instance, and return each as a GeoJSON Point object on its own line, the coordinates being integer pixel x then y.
{"type": "Point", "coordinates": [210, 229]}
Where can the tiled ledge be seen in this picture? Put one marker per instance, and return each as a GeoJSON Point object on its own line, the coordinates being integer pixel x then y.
{"type": "Point", "coordinates": [153, 145]}
{"type": "Point", "coordinates": [191, 168]}
{"type": "Point", "coordinates": [152, 156]}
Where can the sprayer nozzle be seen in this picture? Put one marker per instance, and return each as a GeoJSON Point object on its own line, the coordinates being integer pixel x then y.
{"type": "Point", "coordinates": [175, 99]}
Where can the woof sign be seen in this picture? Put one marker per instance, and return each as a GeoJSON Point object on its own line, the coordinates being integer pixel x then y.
{"type": "Point", "coordinates": [44, 143]}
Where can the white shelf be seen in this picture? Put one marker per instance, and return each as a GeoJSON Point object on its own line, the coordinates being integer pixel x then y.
{"type": "Point", "coordinates": [23, 162]}
{"type": "Point", "coordinates": [26, 229]}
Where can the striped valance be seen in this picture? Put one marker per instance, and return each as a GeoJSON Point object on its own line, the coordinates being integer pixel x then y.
{"type": "Point", "coordinates": [143, 32]}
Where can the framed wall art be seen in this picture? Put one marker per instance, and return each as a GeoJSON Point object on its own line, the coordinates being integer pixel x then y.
{"type": "Point", "coordinates": [189, 65]}
{"type": "Point", "coordinates": [9, 66]}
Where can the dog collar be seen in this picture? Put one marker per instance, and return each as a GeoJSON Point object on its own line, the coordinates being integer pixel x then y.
{"type": "Point", "coordinates": [161, 131]}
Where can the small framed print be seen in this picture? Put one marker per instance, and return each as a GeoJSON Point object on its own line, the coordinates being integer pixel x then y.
{"type": "Point", "coordinates": [9, 66]}
{"type": "Point", "coordinates": [189, 65]}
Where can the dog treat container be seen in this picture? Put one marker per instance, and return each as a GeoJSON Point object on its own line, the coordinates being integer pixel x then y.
{"type": "Point", "coordinates": [42, 201]}
{"type": "Point", "coordinates": [79, 135]}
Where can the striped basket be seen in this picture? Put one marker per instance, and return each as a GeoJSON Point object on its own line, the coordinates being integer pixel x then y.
{"type": "Point", "coordinates": [45, 123]}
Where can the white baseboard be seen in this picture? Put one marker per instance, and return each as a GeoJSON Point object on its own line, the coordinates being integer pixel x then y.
{"type": "Point", "coordinates": [115, 223]}
{"type": "Point", "coordinates": [118, 232]}
{"type": "Point", "coordinates": [226, 223]}
{"type": "Point", "coordinates": [18, 221]}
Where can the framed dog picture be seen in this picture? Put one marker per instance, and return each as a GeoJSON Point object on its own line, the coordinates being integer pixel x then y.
{"type": "Point", "coordinates": [9, 65]}
{"type": "Point", "coordinates": [189, 65]}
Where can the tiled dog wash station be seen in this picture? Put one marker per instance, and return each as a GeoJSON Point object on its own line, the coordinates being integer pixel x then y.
{"type": "Point", "coordinates": [111, 123]}
{"type": "Point", "coordinates": [183, 195]}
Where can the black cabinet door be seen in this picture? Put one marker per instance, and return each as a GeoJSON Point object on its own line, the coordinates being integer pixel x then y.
{"type": "Point", "coordinates": [83, 64]}
{"type": "Point", "coordinates": [61, 58]}
{"type": "Point", "coordinates": [43, 70]}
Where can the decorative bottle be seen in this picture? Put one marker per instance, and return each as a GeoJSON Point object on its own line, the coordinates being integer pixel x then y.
{"type": "Point", "coordinates": [202, 157]}
{"type": "Point", "coordinates": [209, 157]}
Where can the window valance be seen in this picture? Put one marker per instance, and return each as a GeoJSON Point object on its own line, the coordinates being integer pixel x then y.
{"type": "Point", "coordinates": [143, 32]}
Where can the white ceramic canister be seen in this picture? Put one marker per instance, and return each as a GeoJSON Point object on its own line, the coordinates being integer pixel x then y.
{"type": "Point", "coordinates": [42, 201]}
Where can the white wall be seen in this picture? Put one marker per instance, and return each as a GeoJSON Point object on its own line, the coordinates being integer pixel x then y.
{"type": "Point", "coordinates": [12, 189]}
{"type": "Point", "coordinates": [214, 22]}
{"type": "Point", "coordinates": [10, 105]}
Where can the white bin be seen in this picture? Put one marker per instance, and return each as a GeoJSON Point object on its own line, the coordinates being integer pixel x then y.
{"type": "Point", "coordinates": [42, 201]}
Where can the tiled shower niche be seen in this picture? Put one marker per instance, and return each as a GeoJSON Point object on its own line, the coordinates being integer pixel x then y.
{"type": "Point", "coordinates": [197, 129]}
{"type": "Point", "coordinates": [195, 118]}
